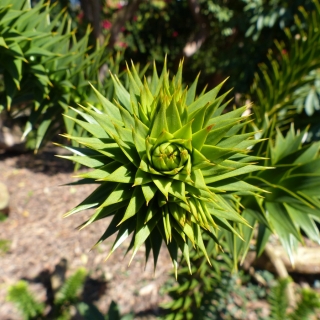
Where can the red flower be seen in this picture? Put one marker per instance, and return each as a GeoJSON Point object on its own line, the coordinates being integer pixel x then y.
{"type": "Point", "coordinates": [175, 34]}
{"type": "Point", "coordinates": [80, 16]}
{"type": "Point", "coordinates": [106, 24]}
{"type": "Point", "coordinates": [122, 44]}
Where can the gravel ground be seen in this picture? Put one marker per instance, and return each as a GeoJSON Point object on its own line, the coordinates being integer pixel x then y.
{"type": "Point", "coordinates": [40, 238]}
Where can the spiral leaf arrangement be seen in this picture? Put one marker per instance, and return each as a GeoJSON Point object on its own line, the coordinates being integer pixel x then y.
{"type": "Point", "coordinates": [168, 164]}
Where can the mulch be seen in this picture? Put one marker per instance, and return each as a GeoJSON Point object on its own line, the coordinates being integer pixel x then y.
{"type": "Point", "coordinates": [40, 238]}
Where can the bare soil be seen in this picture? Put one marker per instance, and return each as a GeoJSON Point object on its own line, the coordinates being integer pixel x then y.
{"type": "Point", "coordinates": [40, 238]}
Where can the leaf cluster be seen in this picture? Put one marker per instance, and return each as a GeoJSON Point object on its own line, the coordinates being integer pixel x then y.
{"type": "Point", "coordinates": [277, 87]}
{"type": "Point", "coordinates": [168, 164]}
{"type": "Point", "coordinates": [293, 202]}
{"type": "Point", "coordinates": [229, 295]}
{"type": "Point", "coordinates": [306, 307]}
{"type": "Point", "coordinates": [25, 301]}
{"type": "Point", "coordinates": [45, 68]}
{"type": "Point", "coordinates": [193, 294]}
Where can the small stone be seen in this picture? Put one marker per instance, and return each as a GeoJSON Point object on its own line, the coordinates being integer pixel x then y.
{"type": "Point", "coordinates": [148, 290]}
{"type": "Point", "coordinates": [4, 199]}
{"type": "Point", "coordinates": [84, 259]}
{"type": "Point", "coordinates": [108, 276]}
{"type": "Point", "coordinates": [10, 139]}
{"type": "Point", "coordinates": [25, 213]}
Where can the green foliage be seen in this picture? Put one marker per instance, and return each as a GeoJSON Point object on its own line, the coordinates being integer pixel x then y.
{"type": "Point", "coordinates": [206, 295]}
{"type": "Point", "coordinates": [69, 291]}
{"type": "Point", "coordinates": [3, 217]}
{"type": "Point", "coordinates": [236, 32]}
{"type": "Point", "coordinates": [143, 45]}
{"type": "Point", "coordinates": [293, 202]}
{"type": "Point", "coordinates": [192, 295]}
{"type": "Point", "coordinates": [268, 14]}
{"type": "Point", "coordinates": [168, 164]}
{"type": "Point", "coordinates": [91, 312]}
{"type": "Point", "coordinates": [278, 300]}
{"type": "Point", "coordinates": [306, 307]}
{"type": "Point", "coordinates": [219, 295]}
{"type": "Point", "coordinates": [4, 246]}
{"type": "Point", "coordinates": [67, 296]}
{"type": "Point", "coordinates": [278, 86]}
{"type": "Point", "coordinates": [45, 68]}
{"type": "Point", "coordinates": [308, 95]}
{"type": "Point", "coordinates": [208, 178]}
{"type": "Point", "coordinates": [25, 301]}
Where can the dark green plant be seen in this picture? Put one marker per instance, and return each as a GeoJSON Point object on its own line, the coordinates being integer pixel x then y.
{"type": "Point", "coordinates": [229, 295]}
{"type": "Point", "coordinates": [308, 96]}
{"type": "Point", "coordinates": [68, 295]}
{"type": "Point", "coordinates": [193, 294]}
{"type": "Point", "coordinates": [45, 68]}
{"type": "Point", "coordinates": [219, 295]}
{"type": "Point", "coordinates": [270, 14]}
{"type": "Point", "coordinates": [278, 300]}
{"type": "Point", "coordinates": [307, 306]}
{"type": "Point", "coordinates": [293, 203]}
{"type": "Point", "coordinates": [89, 312]}
{"type": "Point", "coordinates": [278, 86]}
{"type": "Point", "coordinates": [20, 295]}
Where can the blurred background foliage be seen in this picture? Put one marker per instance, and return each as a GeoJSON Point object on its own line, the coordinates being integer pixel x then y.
{"type": "Point", "coordinates": [220, 39]}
